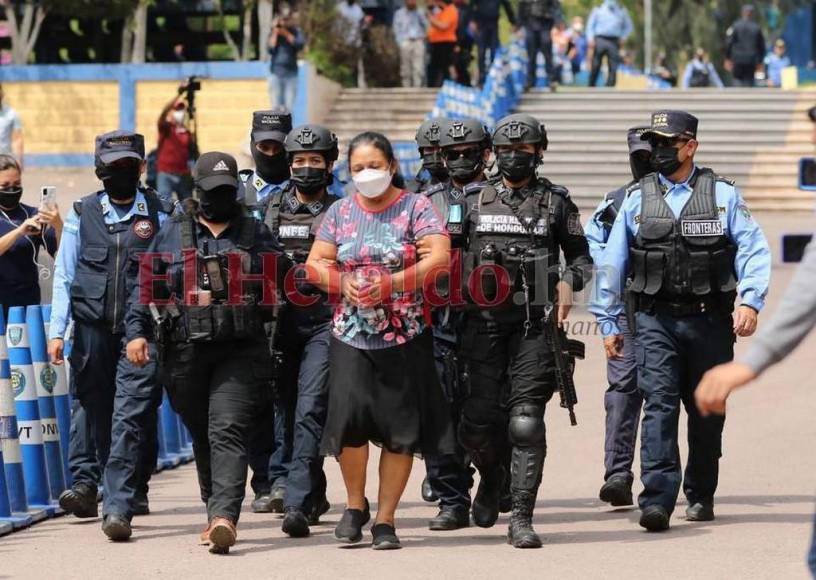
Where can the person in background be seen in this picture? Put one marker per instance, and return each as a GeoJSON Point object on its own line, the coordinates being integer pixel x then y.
{"type": "Point", "coordinates": [664, 70]}
{"type": "Point", "coordinates": [775, 63]}
{"type": "Point", "coordinates": [285, 42]}
{"type": "Point", "coordinates": [174, 151]}
{"type": "Point", "coordinates": [485, 25]}
{"type": "Point", "coordinates": [608, 28]}
{"type": "Point", "coordinates": [443, 17]}
{"type": "Point", "coordinates": [354, 22]}
{"type": "Point", "coordinates": [700, 72]}
{"type": "Point", "coordinates": [11, 131]}
{"type": "Point", "coordinates": [744, 48]}
{"type": "Point", "coordinates": [790, 324]}
{"type": "Point", "coordinates": [578, 53]}
{"type": "Point", "coordinates": [463, 53]}
{"type": "Point", "coordinates": [383, 385]}
{"type": "Point", "coordinates": [410, 28]}
{"type": "Point", "coordinates": [23, 231]}
{"type": "Point", "coordinates": [538, 18]}
{"type": "Point", "coordinates": [562, 48]}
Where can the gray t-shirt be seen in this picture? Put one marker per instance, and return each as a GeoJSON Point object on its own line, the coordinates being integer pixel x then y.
{"type": "Point", "coordinates": [369, 243]}
{"type": "Point", "coordinates": [9, 122]}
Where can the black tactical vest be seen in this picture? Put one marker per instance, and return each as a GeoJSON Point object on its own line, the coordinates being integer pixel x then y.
{"type": "Point", "coordinates": [616, 199]}
{"type": "Point", "coordinates": [452, 205]}
{"type": "Point", "coordinates": [681, 258]}
{"type": "Point", "coordinates": [296, 231]}
{"type": "Point", "coordinates": [220, 321]}
{"type": "Point", "coordinates": [108, 262]}
{"type": "Point", "coordinates": [512, 237]}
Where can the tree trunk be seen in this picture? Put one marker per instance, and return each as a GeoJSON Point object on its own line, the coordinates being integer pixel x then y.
{"type": "Point", "coordinates": [23, 34]}
{"type": "Point", "coordinates": [127, 41]}
{"type": "Point", "coordinates": [236, 52]}
{"type": "Point", "coordinates": [246, 44]}
{"type": "Point", "coordinates": [140, 34]}
{"type": "Point", "coordinates": [264, 26]}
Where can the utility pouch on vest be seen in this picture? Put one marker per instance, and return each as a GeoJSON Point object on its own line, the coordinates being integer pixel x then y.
{"type": "Point", "coordinates": [218, 286]}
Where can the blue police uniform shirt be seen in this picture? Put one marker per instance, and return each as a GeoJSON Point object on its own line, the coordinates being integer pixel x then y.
{"type": "Point", "coordinates": [68, 255]}
{"type": "Point", "coordinates": [609, 19]}
{"type": "Point", "coordinates": [752, 263]}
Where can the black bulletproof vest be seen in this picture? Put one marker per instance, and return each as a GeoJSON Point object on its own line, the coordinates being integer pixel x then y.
{"type": "Point", "coordinates": [296, 231]}
{"type": "Point", "coordinates": [220, 321]}
{"type": "Point", "coordinates": [500, 238]}
{"type": "Point", "coordinates": [452, 205]}
{"type": "Point", "coordinates": [607, 218]}
{"type": "Point", "coordinates": [108, 263]}
{"type": "Point", "coordinates": [683, 257]}
{"type": "Point", "coordinates": [249, 194]}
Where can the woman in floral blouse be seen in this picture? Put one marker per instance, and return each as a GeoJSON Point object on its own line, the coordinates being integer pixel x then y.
{"type": "Point", "coordinates": [383, 386]}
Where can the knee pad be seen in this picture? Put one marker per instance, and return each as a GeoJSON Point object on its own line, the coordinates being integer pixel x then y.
{"type": "Point", "coordinates": [526, 427]}
{"type": "Point", "coordinates": [475, 437]}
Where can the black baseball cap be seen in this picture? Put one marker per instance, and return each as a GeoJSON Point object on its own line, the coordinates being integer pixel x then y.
{"type": "Point", "coordinates": [214, 169]}
{"type": "Point", "coordinates": [633, 136]}
{"type": "Point", "coordinates": [118, 145]}
{"type": "Point", "coordinates": [273, 125]}
{"type": "Point", "coordinates": [672, 124]}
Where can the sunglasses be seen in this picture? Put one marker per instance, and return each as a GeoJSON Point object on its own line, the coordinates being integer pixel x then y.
{"type": "Point", "coordinates": [667, 142]}
{"type": "Point", "coordinates": [473, 154]}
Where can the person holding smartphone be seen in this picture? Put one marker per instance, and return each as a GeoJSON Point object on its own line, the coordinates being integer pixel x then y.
{"type": "Point", "coordinates": [23, 231]}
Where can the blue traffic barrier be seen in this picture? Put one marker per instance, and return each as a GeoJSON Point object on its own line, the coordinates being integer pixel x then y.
{"type": "Point", "coordinates": [46, 379]}
{"type": "Point", "coordinates": [19, 513]}
{"type": "Point", "coordinates": [168, 436]}
{"type": "Point", "coordinates": [16, 517]}
{"type": "Point", "coordinates": [62, 402]}
{"type": "Point", "coordinates": [186, 442]}
{"type": "Point", "coordinates": [26, 402]}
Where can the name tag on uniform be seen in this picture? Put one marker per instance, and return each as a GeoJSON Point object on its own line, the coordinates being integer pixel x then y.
{"type": "Point", "coordinates": [506, 224]}
{"type": "Point", "coordinates": [694, 229]}
{"type": "Point", "coordinates": [300, 232]}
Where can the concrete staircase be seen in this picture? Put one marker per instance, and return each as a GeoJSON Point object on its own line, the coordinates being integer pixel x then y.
{"type": "Point", "coordinates": [755, 137]}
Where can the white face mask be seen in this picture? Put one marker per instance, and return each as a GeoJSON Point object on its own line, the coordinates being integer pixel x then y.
{"type": "Point", "coordinates": [372, 183]}
{"type": "Point", "coordinates": [178, 117]}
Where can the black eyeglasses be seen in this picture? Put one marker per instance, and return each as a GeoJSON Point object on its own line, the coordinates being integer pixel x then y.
{"type": "Point", "coordinates": [472, 154]}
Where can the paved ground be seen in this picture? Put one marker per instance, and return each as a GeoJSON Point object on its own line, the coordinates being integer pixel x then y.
{"type": "Point", "coordinates": [764, 506]}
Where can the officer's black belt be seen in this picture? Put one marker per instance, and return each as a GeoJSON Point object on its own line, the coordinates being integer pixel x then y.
{"type": "Point", "coordinates": [678, 309]}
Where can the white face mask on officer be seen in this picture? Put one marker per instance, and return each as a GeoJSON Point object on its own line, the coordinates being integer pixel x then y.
{"type": "Point", "coordinates": [372, 183]}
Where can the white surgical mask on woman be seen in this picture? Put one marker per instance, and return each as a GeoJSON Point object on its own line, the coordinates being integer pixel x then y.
{"type": "Point", "coordinates": [178, 117]}
{"type": "Point", "coordinates": [372, 183]}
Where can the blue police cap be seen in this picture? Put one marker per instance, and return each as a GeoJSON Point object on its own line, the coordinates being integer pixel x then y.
{"type": "Point", "coordinates": [118, 145]}
{"type": "Point", "coordinates": [672, 124]}
{"type": "Point", "coordinates": [272, 125]}
{"type": "Point", "coordinates": [636, 143]}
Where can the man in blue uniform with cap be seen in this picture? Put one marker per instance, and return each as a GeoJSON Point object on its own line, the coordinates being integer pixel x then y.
{"type": "Point", "coordinates": [96, 268]}
{"type": "Point", "coordinates": [622, 399]}
{"type": "Point", "coordinates": [689, 245]}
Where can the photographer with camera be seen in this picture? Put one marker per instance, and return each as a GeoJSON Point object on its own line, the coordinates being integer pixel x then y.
{"type": "Point", "coordinates": [285, 41]}
{"type": "Point", "coordinates": [176, 146]}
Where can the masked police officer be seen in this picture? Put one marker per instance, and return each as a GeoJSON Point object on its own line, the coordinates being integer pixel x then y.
{"type": "Point", "coordinates": [433, 172]}
{"type": "Point", "coordinates": [270, 177]}
{"type": "Point", "coordinates": [517, 230]}
{"type": "Point", "coordinates": [303, 329]}
{"type": "Point", "coordinates": [207, 307]}
{"type": "Point", "coordinates": [271, 174]}
{"type": "Point", "coordinates": [623, 399]}
{"type": "Point", "coordinates": [690, 246]}
{"type": "Point", "coordinates": [96, 266]}
{"type": "Point", "coordinates": [465, 148]}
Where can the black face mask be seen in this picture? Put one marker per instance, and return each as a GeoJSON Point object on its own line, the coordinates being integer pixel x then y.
{"type": "Point", "coordinates": [465, 168]}
{"type": "Point", "coordinates": [434, 164]}
{"type": "Point", "coordinates": [664, 160]}
{"type": "Point", "coordinates": [640, 167]}
{"type": "Point", "coordinates": [310, 180]}
{"type": "Point", "coordinates": [220, 204]}
{"type": "Point", "coordinates": [516, 165]}
{"type": "Point", "coordinates": [10, 197]}
{"type": "Point", "coordinates": [273, 169]}
{"type": "Point", "coordinates": [120, 183]}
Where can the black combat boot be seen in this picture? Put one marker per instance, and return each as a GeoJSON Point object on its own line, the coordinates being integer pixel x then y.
{"type": "Point", "coordinates": [428, 493]}
{"type": "Point", "coordinates": [80, 501]}
{"type": "Point", "coordinates": [521, 533]}
{"type": "Point", "coordinates": [486, 502]}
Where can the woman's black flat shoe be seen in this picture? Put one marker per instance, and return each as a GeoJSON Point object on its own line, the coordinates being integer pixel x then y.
{"type": "Point", "coordinates": [385, 537]}
{"type": "Point", "coordinates": [350, 527]}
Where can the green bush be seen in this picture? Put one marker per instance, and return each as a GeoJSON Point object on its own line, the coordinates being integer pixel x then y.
{"type": "Point", "coordinates": [326, 47]}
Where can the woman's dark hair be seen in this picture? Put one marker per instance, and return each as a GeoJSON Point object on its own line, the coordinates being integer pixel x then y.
{"type": "Point", "coordinates": [8, 162]}
{"type": "Point", "coordinates": [381, 142]}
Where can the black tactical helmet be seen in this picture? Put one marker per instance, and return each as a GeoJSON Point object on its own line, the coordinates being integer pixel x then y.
{"type": "Point", "coordinates": [430, 132]}
{"type": "Point", "coordinates": [464, 132]}
{"type": "Point", "coordinates": [520, 128]}
{"type": "Point", "coordinates": [312, 138]}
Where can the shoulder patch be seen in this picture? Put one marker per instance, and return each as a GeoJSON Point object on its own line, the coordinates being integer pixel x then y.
{"type": "Point", "coordinates": [724, 179]}
{"type": "Point", "coordinates": [574, 226]}
{"type": "Point", "coordinates": [560, 190]}
{"type": "Point", "coordinates": [245, 174]}
{"type": "Point", "coordinates": [78, 207]}
{"type": "Point", "coordinates": [743, 209]}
